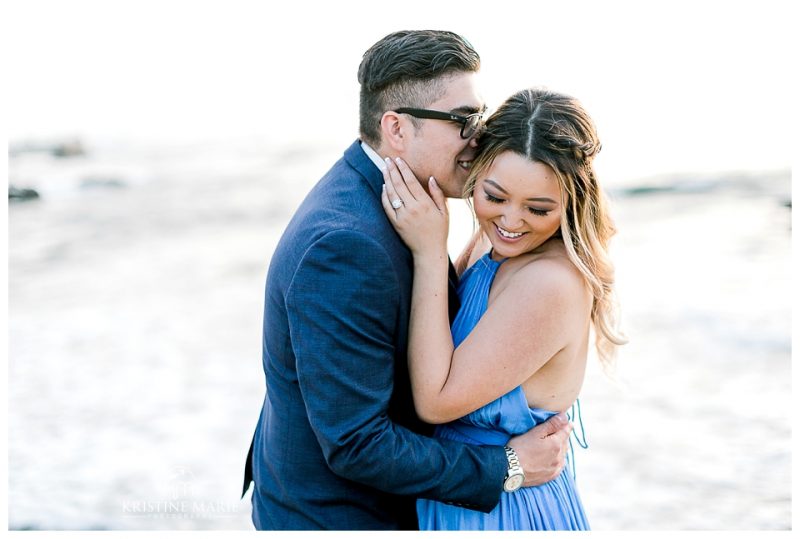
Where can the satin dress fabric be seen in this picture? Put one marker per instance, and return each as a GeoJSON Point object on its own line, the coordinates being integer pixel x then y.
{"type": "Point", "coordinates": [555, 505]}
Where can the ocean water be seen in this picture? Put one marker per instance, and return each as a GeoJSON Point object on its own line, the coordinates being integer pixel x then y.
{"type": "Point", "coordinates": [135, 303]}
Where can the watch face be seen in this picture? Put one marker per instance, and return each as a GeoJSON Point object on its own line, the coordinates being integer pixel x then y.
{"type": "Point", "coordinates": [513, 483]}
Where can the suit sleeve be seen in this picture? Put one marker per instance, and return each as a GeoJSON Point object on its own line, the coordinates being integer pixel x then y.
{"type": "Point", "coordinates": [343, 314]}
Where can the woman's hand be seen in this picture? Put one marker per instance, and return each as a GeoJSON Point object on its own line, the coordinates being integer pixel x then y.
{"type": "Point", "coordinates": [421, 220]}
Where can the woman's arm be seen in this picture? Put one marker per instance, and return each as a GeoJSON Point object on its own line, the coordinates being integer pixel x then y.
{"type": "Point", "coordinates": [534, 319]}
{"type": "Point", "coordinates": [528, 323]}
{"type": "Point", "coordinates": [422, 222]}
{"type": "Point", "coordinates": [430, 343]}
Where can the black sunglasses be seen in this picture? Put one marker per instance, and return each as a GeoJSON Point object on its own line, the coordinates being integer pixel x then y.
{"type": "Point", "coordinates": [470, 125]}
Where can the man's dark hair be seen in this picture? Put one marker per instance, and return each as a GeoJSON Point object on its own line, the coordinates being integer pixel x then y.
{"type": "Point", "coordinates": [405, 69]}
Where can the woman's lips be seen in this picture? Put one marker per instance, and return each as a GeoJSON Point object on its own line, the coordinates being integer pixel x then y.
{"type": "Point", "coordinates": [507, 235]}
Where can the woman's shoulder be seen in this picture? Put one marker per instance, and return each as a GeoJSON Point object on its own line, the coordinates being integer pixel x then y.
{"type": "Point", "coordinates": [549, 268]}
{"type": "Point", "coordinates": [544, 282]}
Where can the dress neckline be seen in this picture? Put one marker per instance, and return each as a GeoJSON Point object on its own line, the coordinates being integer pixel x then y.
{"type": "Point", "coordinates": [488, 257]}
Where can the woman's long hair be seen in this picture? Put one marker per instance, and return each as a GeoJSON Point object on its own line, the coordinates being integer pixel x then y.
{"type": "Point", "coordinates": [554, 129]}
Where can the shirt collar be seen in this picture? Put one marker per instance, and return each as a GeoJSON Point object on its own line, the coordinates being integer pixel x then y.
{"type": "Point", "coordinates": [373, 156]}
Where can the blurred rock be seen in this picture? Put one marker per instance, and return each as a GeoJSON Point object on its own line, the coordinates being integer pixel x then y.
{"type": "Point", "coordinates": [57, 148]}
{"type": "Point", "coordinates": [102, 182]}
{"type": "Point", "coordinates": [69, 148]}
{"type": "Point", "coordinates": [21, 193]}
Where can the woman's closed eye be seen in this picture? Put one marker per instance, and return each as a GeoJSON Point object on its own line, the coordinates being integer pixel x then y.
{"type": "Point", "coordinates": [493, 199]}
{"type": "Point", "coordinates": [537, 211]}
{"type": "Point", "coordinates": [496, 200]}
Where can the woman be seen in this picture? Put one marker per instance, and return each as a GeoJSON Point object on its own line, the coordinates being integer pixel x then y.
{"type": "Point", "coordinates": [538, 278]}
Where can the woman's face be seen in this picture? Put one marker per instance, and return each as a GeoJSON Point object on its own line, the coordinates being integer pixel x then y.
{"type": "Point", "coordinates": [518, 204]}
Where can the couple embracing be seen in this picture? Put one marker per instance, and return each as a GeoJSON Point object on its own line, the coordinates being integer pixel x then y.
{"type": "Point", "coordinates": [406, 392]}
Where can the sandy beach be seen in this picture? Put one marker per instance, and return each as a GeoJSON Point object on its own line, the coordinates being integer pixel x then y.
{"type": "Point", "coordinates": [135, 380]}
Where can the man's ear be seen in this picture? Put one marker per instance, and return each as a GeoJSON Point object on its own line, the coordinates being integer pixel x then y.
{"type": "Point", "coordinates": [394, 130]}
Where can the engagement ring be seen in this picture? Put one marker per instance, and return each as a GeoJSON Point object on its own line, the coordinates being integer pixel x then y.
{"type": "Point", "coordinates": [396, 203]}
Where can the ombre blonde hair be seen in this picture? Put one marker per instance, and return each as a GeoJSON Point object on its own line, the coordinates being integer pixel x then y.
{"type": "Point", "coordinates": [554, 129]}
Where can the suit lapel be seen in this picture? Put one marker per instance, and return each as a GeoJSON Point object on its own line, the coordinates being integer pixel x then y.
{"type": "Point", "coordinates": [453, 302]}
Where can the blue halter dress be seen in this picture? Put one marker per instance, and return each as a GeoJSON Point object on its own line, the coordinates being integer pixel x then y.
{"type": "Point", "coordinates": [552, 506]}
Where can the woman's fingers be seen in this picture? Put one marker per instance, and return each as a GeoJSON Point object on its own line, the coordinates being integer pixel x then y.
{"type": "Point", "coordinates": [391, 212]}
{"type": "Point", "coordinates": [437, 195]}
{"type": "Point", "coordinates": [398, 182]}
{"type": "Point", "coordinates": [408, 187]}
{"type": "Point", "coordinates": [410, 180]}
{"type": "Point", "coordinates": [394, 199]}
{"type": "Point", "coordinates": [420, 221]}
{"type": "Point", "coordinates": [403, 188]}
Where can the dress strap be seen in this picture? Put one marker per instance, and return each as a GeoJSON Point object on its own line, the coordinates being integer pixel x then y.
{"type": "Point", "coordinates": [498, 262]}
{"type": "Point", "coordinates": [575, 412]}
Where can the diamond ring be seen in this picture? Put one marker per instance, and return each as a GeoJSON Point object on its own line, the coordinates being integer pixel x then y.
{"type": "Point", "coordinates": [397, 203]}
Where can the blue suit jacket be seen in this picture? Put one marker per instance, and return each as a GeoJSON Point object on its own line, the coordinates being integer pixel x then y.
{"type": "Point", "coordinates": [338, 445]}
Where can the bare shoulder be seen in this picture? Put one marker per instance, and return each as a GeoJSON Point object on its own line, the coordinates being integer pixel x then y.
{"type": "Point", "coordinates": [547, 272]}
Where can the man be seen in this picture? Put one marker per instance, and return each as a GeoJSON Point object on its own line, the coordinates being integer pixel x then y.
{"type": "Point", "coordinates": [338, 445]}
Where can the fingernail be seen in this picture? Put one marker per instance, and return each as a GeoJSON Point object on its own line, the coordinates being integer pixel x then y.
{"type": "Point", "coordinates": [398, 160]}
{"type": "Point", "coordinates": [432, 179]}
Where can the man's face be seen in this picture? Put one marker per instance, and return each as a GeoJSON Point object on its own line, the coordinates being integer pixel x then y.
{"type": "Point", "coordinates": [437, 149]}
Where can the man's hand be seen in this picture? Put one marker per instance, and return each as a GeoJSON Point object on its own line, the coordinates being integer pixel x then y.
{"type": "Point", "coordinates": [542, 450]}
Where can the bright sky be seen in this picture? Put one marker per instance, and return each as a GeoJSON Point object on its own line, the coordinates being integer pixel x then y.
{"type": "Point", "coordinates": [673, 86]}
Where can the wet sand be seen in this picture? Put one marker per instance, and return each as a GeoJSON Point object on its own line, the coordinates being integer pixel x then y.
{"type": "Point", "coordinates": [134, 345]}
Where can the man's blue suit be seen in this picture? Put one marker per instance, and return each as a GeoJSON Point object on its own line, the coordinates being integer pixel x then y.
{"type": "Point", "coordinates": [338, 445]}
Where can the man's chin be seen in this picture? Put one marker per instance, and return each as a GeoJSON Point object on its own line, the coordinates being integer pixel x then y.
{"type": "Point", "coordinates": [457, 193]}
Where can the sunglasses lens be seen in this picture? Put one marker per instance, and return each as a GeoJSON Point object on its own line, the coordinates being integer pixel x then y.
{"type": "Point", "coordinates": [471, 127]}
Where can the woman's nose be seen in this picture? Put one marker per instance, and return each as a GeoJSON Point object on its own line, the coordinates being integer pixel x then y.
{"type": "Point", "coordinates": [511, 220]}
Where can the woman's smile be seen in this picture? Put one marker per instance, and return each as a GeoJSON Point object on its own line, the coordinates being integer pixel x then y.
{"type": "Point", "coordinates": [508, 235]}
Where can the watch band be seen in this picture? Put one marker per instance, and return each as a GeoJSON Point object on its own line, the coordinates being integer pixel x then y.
{"type": "Point", "coordinates": [515, 475]}
{"type": "Point", "coordinates": [513, 459]}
